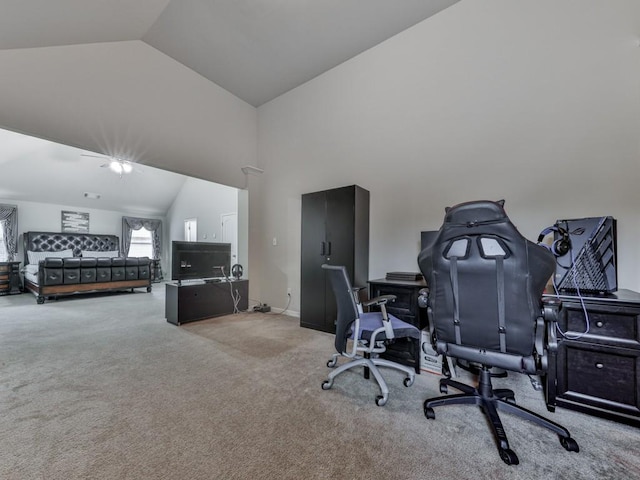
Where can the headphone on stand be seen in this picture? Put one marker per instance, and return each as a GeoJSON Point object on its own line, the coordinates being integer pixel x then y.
{"type": "Point", "coordinates": [560, 246]}
{"type": "Point", "coordinates": [237, 271]}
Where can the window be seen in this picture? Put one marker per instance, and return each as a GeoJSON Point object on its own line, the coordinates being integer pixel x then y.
{"type": "Point", "coordinates": [141, 243]}
{"type": "Point", "coordinates": [3, 248]}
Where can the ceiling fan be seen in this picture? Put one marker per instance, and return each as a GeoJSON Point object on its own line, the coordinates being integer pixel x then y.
{"type": "Point", "coordinates": [116, 165]}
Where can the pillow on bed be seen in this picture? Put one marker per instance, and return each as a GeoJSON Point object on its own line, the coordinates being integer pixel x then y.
{"type": "Point", "coordinates": [31, 268]}
{"type": "Point", "coordinates": [96, 254]}
{"type": "Point", "coordinates": [35, 257]}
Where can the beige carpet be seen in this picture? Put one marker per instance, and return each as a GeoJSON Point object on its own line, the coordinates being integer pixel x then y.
{"type": "Point", "coordinates": [102, 387]}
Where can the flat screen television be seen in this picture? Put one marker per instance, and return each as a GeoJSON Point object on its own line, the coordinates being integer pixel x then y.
{"type": "Point", "coordinates": [199, 260]}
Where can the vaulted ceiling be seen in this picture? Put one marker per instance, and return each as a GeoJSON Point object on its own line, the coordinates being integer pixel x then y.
{"type": "Point", "coordinates": [166, 83]}
{"type": "Point", "coordinates": [255, 49]}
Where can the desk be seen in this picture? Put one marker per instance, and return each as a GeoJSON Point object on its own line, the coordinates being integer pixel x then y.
{"type": "Point", "coordinates": [190, 302]}
{"type": "Point", "coordinates": [405, 351]}
{"type": "Point", "coordinates": [598, 372]}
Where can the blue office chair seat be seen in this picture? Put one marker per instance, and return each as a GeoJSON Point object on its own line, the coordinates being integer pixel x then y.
{"type": "Point", "coordinates": [372, 321]}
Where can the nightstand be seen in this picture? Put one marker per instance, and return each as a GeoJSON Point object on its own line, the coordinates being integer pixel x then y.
{"type": "Point", "coordinates": [10, 283]}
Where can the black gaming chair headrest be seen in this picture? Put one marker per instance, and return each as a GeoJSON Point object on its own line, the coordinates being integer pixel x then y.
{"type": "Point", "coordinates": [475, 213]}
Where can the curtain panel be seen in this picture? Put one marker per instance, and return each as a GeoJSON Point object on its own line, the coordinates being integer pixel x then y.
{"type": "Point", "coordinates": [134, 223]}
{"type": "Point", "coordinates": [9, 225]}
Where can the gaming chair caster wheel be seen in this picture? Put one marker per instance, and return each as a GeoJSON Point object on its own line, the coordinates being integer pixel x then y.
{"type": "Point", "coordinates": [381, 401]}
{"type": "Point", "coordinates": [508, 456]}
{"type": "Point", "coordinates": [332, 363]}
{"type": "Point", "coordinates": [569, 444]}
{"type": "Point", "coordinates": [326, 385]}
{"type": "Point", "coordinates": [444, 389]}
{"type": "Point", "coordinates": [408, 381]}
{"type": "Point", "coordinates": [429, 413]}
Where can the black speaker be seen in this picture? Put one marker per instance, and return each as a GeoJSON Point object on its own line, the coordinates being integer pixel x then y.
{"type": "Point", "coordinates": [560, 245]}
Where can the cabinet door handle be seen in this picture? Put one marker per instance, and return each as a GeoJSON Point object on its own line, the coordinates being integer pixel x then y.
{"type": "Point", "coordinates": [599, 324]}
{"type": "Point", "coordinates": [599, 365]}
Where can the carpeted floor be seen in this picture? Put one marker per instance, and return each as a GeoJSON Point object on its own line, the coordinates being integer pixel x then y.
{"type": "Point", "coordinates": [102, 387]}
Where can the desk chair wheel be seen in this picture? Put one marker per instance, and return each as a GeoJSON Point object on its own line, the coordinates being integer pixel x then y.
{"type": "Point", "coordinates": [326, 385]}
{"type": "Point", "coordinates": [569, 444]}
{"type": "Point", "coordinates": [408, 381]}
{"type": "Point", "coordinates": [332, 363]}
{"type": "Point", "coordinates": [443, 388]}
{"type": "Point", "coordinates": [429, 413]}
{"type": "Point", "coordinates": [381, 401]}
{"type": "Point", "coordinates": [508, 456]}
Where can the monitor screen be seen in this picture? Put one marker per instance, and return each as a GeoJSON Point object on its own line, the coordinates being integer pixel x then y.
{"type": "Point", "coordinates": [589, 266]}
{"type": "Point", "coordinates": [427, 237]}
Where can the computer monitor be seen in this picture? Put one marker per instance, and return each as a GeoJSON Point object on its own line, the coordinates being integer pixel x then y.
{"type": "Point", "coordinates": [427, 237]}
{"type": "Point", "coordinates": [590, 264]}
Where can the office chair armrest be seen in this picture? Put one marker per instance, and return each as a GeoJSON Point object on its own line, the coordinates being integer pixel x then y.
{"type": "Point", "coordinates": [381, 301]}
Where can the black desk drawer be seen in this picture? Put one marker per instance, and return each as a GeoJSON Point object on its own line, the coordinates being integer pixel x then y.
{"type": "Point", "coordinates": [606, 324]}
{"type": "Point", "coordinates": [607, 378]}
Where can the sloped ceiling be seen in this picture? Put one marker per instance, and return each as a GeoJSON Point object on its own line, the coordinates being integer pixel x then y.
{"type": "Point", "coordinates": [174, 83]}
{"type": "Point", "coordinates": [36, 170]}
{"type": "Point", "coordinates": [256, 50]}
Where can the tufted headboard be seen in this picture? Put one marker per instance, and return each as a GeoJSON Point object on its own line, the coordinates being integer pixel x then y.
{"type": "Point", "coordinates": [54, 242]}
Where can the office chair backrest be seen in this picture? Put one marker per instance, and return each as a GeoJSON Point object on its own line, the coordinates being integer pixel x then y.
{"type": "Point", "coordinates": [346, 303]}
{"type": "Point", "coordinates": [485, 280]}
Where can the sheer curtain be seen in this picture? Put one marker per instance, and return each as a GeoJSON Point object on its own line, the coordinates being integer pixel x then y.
{"type": "Point", "coordinates": [9, 225]}
{"type": "Point", "coordinates": [134, 223]}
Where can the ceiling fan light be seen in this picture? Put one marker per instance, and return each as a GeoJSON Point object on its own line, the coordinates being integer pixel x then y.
{"type": "Point", "coordinates": [116, 166]}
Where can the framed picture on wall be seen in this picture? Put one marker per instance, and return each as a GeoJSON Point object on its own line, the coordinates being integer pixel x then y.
{"type": "Point", "coordinates": [76, 222]}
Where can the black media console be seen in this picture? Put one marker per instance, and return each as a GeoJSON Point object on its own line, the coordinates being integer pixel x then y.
{"type": "Point", "coordinates": [190, 302]}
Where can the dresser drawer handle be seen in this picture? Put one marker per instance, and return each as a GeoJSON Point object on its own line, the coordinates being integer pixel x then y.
{"type": "Point", "coordinates": [599, 324]}
{"type": "Point", "coordinates": [599, 365]}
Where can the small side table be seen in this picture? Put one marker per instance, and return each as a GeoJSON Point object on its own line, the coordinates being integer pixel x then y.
{"type": "Point", "coordinates": [10, 283]}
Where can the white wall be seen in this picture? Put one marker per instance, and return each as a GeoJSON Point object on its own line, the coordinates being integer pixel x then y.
{"type": "Point", "coordinates": [46, 217]}
{"type": "Point", "coordinates": [534, 102]}
{"type": "Point", "coordinates": [205, 201]}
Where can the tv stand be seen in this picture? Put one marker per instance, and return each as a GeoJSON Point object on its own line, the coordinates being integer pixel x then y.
{"type": "Point", "coordinates": [190, 302]}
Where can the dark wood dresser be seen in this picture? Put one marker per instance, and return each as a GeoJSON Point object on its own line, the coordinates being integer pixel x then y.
{"type": "Point", "coordinates": [10, 283]}
{"type": "Point", "coordinates": [598, 371]}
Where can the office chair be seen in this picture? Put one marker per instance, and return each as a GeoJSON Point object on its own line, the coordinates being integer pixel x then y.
{"type": "Point", "coordinates": [368, 332]}
{"type": "Point", "coordinates": [484, 300]}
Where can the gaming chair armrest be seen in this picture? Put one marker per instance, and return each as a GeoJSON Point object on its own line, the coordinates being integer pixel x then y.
{"type": "Point", "coordinates": [551, 311]}
{"type": "Point", "coordinates": [546, 327]}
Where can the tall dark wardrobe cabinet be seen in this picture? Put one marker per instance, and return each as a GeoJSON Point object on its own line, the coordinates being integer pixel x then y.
{"type": "Point", "coordinates": [335, 230]}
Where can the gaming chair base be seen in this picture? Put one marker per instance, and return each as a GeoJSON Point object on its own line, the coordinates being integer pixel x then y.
{"type": "Point", "coordinates": [490, 401]}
